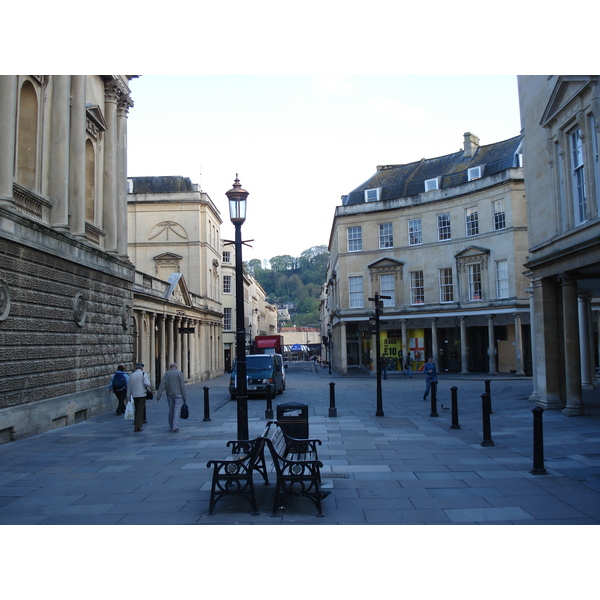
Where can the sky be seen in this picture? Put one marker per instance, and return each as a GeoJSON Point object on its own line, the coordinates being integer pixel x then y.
{"type": "Point", "coordinates": [300, 142]}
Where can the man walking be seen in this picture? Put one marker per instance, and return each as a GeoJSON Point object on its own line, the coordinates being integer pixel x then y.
{"type": "Point", "coordinates": [173, 383]}
{"type": "Point", "coordinates": [138, 386]}
{"type": "Point", "coordinates": [431, 376]}
{"type": "Point", "coordinates": [118, 385]}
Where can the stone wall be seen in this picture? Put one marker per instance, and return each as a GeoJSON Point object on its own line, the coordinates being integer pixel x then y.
{"type": "Point", "coordinates": [67, 327]}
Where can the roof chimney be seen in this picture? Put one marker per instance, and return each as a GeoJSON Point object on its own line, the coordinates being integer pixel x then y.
{"type": "Point", "coordinates": [471, 144]}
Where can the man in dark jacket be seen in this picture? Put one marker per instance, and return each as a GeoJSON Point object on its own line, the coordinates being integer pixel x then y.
{"type": "Point", "coordinates": [173, 384]}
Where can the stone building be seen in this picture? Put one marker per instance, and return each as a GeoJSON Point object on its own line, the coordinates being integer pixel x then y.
{"type": "Point", "coordinates": [175, 244]}
{"type": "Point", "coordinates": [66, 284]}
{"type": "Point", "coordinates": [560, 116]}
{"type": "Point", "coordinates": [445, 240]}
{"type": "Point", "coordinates": [259, 315]}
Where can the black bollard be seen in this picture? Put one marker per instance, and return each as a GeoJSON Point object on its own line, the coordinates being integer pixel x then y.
{"type": "Point", "coordinates": [332, 408]}
{"type": "Point", "coordinates": [269, 409]}
{"type": "Point", "coordinates": [434, 412]}
{"type": "Point", "coordinates": [538, 442]}
{"type": "Point", "coordinates": [487, 428]}
{"type": "Point", "coordinates": [454, 392]}
{"type": "Point", "coordinates": [488, 391]}
{"type": "Point", "coordinates": [206, 407]}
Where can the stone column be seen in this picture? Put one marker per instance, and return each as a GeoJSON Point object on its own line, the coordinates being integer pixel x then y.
{"type": "Point", "coordinates": [77, 156]}
{"type": "Point", "coordinates": [170, 354]}
{"type": "Point", "coordinates": [519, 344]}
{"type": "Point", "coordinates": [111, 172]}
{"type": "Point", "coordinates": [574, 402]}
{"type": "Point", "coordinates": [405, 346]}
{"type": "Point", "coordinates": [124, 105]}
{"type": "Point", "coordinates": [534, 397]}
{"type": "Point", "coordinates": [58, 172]}
{"type": "Point", "coordinates": [464, 367]}
{"type": "Point", "coordinates": [343, 352]}
{"type": "Point", "coordinates": [8, 132]}
{"type": "Point", "coordinates": [435, 351]}
{"type": "Point", "coordinates": [493, 369]}
{"type": "Point", "coordinates": [161, 345]}
{"type": "Point", "coordinates": [152, 348]}
{"type": "Point", "coordinates": [584, 342]}
{"type": "Point", "coordinates": [178, 340]}
{"type": "Point", "coordinates": [184, 350]}
{"type": "Point", "coordinates": [193, 345]}
{"type": "Point", "coordinates": [592, 349]}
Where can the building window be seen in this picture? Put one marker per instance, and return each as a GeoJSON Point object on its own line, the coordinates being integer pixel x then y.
{"type": "Point", "coordinates": [227, 284]}
{"type": "Point", "coordinates": [443, 224]}
{"type": "Point", "coordinates": [386, 284]}
{"type": "Point", "coordinates": [446, 285]}
{"type": "Point", "coordinates": [475, 173]}
{"type": "Point", "coordinates": [417, 291]}
{"type": "Point", "coordinates": [579, 196]}
{"type": "Point", "coordinates": [415, 234]}
{"type": "Point", "coordinates": [386, 239]}
{"type": "Point", "coordinates": [355, 292]}
{"type": "Point", "coordinates": [499, 215]}
{"type": "Point", "coordinates": [27, 135]}
{"type": "Point", "coordinates": [354, 239]}
{"type": "Point", "coordinates": [474, 281]}
{"type": "Point", "coordinates": [372, 195]}
{"type": "Point", "coordinates": [501, 279]}
{"type": "Point", "coordinates": [472, 221]}
{"type": "Point", "coordinates": [227, 319]}
{"type": "Point", "coordinates": [227, 257]}
{"type": "Point", "coordinates": [431, 184]}
{"type": "Point", "coordinates": [594, 136]}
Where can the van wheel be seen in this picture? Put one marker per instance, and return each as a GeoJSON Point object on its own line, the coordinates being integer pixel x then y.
{"type": "Point", "coordinates": [233, 397]}
{"type": "Point", "coordinates": [280, 391]}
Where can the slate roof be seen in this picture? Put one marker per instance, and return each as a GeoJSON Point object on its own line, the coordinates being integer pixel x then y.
{"type": "Point", "coordinates": [161, 185]}
{"type": "Point", "coordinates": [400, 181]}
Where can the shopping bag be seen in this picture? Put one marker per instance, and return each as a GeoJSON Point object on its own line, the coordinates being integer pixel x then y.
{"type": "Point", "coordinates": [129, 411]}
{"type": "Point", "coordinates": [185, 411]}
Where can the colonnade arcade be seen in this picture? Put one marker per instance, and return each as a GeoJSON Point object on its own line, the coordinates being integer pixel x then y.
{"type": "Point", "coordinates": [193, 343]}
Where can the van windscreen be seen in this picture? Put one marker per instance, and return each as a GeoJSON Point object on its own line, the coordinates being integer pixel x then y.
{"type": "Point", "coordinates": [258, 363]}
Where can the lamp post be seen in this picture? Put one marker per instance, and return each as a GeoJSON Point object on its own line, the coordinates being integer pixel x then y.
{"type": "Point", "coordinates": [237, 213]}
{"type": "Point", "coordinates": [378, 300]}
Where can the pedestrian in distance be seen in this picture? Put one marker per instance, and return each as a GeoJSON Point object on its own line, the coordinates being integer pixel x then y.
{"type": "Point", "coordinates": [408, 366]}
{"type": "Point", "coordinates": [173, 384]}
{"type": "Point", "coordinates": [118, 385]}
{"type": "Point", "coordinates": [430, 376]}
{"type": "Point", "coordinates": [137, 388]}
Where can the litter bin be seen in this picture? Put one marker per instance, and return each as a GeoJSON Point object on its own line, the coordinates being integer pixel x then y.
{"type": "Point", "coordinates": [293, 419]}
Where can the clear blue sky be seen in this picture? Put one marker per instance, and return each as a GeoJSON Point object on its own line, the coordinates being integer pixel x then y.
{"type": "Point", "coordinates": [301, 142]}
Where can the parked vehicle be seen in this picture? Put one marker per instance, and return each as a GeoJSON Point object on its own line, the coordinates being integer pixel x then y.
{"type": "Point", "coordinates": [268, 344]}
{"type": "Point", "coordinates": [261, 370]}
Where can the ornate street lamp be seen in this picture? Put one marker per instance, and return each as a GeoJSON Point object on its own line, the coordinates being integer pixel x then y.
{"type": "Point", "coordinates": [237, 213]}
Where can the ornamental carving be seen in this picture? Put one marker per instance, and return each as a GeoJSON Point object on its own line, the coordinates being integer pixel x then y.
{"type": "Point", "coordinates": [4, 300]}
{"type": "Point", "coordinates": [79, 309]}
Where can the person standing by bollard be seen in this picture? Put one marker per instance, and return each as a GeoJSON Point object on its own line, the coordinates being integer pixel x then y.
{"type": "Point", "coordinates": [407, 366]}
{"type": "Point", "coordinates": [173, 383]}
{"type": "Point", "coordinates": [430, 376]}
{"type": "Point", "coordinates": [118, 385]}
{"type": "Point", "coordinates": [137, 387]}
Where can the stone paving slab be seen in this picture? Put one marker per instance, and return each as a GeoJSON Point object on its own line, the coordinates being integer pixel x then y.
{"type": "Point", "coordinates": [403, 468]}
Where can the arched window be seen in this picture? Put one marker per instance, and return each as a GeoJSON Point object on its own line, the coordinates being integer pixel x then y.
{"type": "Point", "coordinates": [27, 137]}
{"type": "Point", "coordinates": [90, 182]}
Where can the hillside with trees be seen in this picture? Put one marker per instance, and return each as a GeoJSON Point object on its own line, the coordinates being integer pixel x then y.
{"type": "Point", "coordinates": [294, 280]}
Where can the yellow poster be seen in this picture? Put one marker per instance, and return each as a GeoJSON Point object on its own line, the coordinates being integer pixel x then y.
{"type": "Point", "coordinates": [390, 351]}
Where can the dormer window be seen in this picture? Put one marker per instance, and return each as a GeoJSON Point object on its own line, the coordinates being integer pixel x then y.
{"type": "Point", "coordinates": [432, 184]}
{"type": "Point", "coordinates": [372, 195]}
{"type": "Point", "coordinates": [475, 173]}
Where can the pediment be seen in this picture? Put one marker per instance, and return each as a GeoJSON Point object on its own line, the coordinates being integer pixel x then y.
{"type": "Point", "coordinates": [178, 291]}
{"type": "Point", "coordinates": [567, 88]}
{"type": "Point", "coordinates": [472, 251]}
{"type": "Point", "coordinates": [385, 263]}
{"type": "Point", "coordinates": [167, 256]}
{"type": "Point", "coordinates": [95, 115]}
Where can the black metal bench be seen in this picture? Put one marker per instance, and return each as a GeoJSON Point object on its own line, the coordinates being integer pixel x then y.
{"type": "Point", "coordinates": [297, 467]}
{"type": "Point", "coordinates": [233, 475]}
